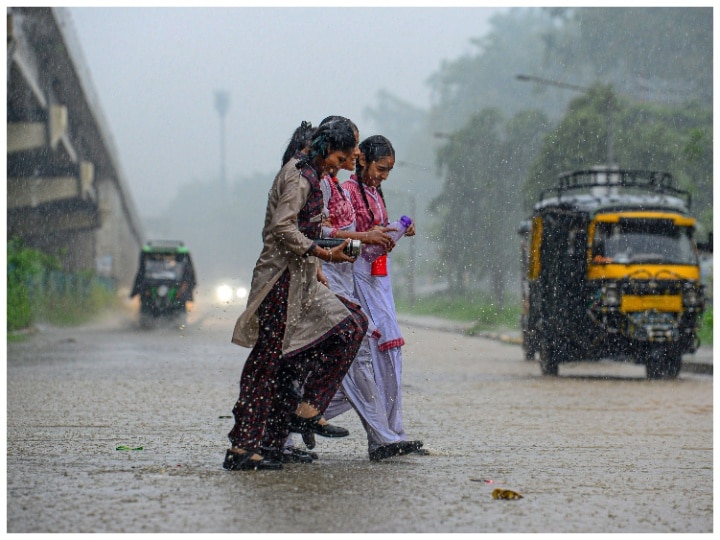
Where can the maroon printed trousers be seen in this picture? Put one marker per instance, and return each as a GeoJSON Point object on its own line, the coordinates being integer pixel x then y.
{"type": "Point", "coordinates": [267, 384]}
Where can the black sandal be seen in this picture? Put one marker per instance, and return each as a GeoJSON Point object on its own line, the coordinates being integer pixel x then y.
{"type": "Point", "coordinates": [308, 438]}
{"type": "Point", "coordinates": [300, 456]}
{"type": "Point", "coordinates": [399, 448]}
{"type": "Point", "coordinates": [289, 454]}
{"type": "Point", "coordinates": [237, 461]}
{"type": "Point", "coordinates": [298, 424]}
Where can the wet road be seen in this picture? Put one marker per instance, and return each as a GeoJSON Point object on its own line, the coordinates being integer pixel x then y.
{"type": "Point", "coordinates": [598, 449]}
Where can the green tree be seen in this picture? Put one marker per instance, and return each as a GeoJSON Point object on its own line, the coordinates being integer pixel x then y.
{"type": "Point", "coordinates": [23, 264]}
{"type": "Point", "coordinates": [675, 139]}
{"type": "Point", "coordinates": [579, 141]}
{"type": "Point", "coordinates": [481, 204]}
{"type": "Point", "coordinates": [467, 158]}
{"type": "Point", "coordinates": [486, 79]}
{"type": "Point", "coordinates": [624, 55]}
{"type": "Point", "coordinates": [661, 54]}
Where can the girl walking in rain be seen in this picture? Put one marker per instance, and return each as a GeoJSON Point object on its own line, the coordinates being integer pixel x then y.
{"type": "Point", "coordinates": [293, 324]}
{"type": "Point", "coordinates": [376, 160]}
{"type": "Point", "coordinates": [359, 389]}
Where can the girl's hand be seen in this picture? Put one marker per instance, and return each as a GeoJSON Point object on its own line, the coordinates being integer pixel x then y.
{"type": "Point", "coordinates": [378, 236]}
{"type": "Point", "coordinates": [337, 254]}
{"type": "Point", "coordinates": [410, 230]}
{"type": "Point", "coordinates": [327, 222]}
{"type": "Point", "coordinates": [333, 255]}
{"type": "Point", "coordinates": [321, 276]}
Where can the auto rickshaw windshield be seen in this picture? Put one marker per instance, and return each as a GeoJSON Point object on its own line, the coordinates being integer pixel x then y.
{"type": "Point", "coordinates": [164, 267]}
{"type": "Point", "coordinates": [636, 241]}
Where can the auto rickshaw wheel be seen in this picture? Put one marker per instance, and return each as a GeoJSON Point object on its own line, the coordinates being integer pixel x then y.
{"type": "Point", "coordinates": [549, 357]}
{"type": "Point", "coordinates": [147, 321]}
{"type": "Point", "coordinates": [662, 362]}
{"type": "Point", "coordinates": [529, 345]}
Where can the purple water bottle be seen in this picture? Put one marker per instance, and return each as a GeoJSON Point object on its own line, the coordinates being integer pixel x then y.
{"type": "Point", "coordinates": [370, 252]}
{"type": "Point", "coordinates": [401, 225]}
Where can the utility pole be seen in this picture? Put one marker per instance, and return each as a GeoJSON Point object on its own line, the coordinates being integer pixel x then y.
{"type": "Point", "coordinates": [222, 104]}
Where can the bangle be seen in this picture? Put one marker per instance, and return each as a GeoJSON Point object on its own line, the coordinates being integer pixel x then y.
{"type": "Point", "coordinates": [330, 255]}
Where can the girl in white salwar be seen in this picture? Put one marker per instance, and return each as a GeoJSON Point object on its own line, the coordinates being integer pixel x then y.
{"type": "Point", "coordinates": [374, 292]}
{"type": "Point", "coordinates": [359, 389]}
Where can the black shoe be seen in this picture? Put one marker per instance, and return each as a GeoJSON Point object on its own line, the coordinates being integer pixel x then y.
{"type": "Point", "coordinates": [308, 438]}
{"type": "Point", "coordinates": [289, 454]}
{"type": "Point", "coordinates": [295, 455]}
{"type": "Point", "coordinates": [312, 425]}
{"type": "Point", "coordinates": [312, 455]}
{"type": "Point", "coordinates": [235, 461]}
{"type": "Point", "coordinates": [395, 449]}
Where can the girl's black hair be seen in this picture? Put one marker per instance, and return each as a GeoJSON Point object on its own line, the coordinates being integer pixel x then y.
{"type": "Point", "coordinates": [300, 139]}
{"type": "Point", "coordinates": [303, 134]}
{"type": "Point", "coordinates": [333, 118]}
{"type": "Point", "coordinates": [373, 148]}
{"type": "Point", "coordinates": [329, 137]}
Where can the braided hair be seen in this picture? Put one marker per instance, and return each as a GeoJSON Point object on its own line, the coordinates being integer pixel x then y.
{"type": "Point", "coordinates": [373, 148]}
{"type": "Point", "coordinates": [299, 140]}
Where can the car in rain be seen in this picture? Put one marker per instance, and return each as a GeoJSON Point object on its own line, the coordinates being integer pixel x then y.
{"type": "Point", "coordinates": [228, 291]}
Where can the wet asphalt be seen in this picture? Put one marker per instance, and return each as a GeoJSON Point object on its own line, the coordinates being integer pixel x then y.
{"type": "Point", "coordinates": [111, 429]}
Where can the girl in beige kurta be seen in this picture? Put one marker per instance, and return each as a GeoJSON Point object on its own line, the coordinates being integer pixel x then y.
{"type": "Point", "coordinates": [295, 325]}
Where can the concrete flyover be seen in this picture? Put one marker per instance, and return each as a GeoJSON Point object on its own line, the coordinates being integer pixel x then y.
{"type": "Point", "coordinates": [66, 193]}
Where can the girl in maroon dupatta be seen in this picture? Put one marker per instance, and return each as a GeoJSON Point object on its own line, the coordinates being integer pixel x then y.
{"type": "Point", "coordinates": [293, 324]}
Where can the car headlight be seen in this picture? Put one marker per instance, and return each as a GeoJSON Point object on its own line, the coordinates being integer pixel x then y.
{"type": "Point", "coordinates": [241, 292]}
{"type": "Point", "coordinates": [224, 293]}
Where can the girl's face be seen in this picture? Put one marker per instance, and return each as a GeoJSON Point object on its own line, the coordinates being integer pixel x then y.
{"type": "Point", "coordinates": [376, 172]}
{"type": "Point", "coordinates": [349, 164]}
{"type": "Point", "coordinates": [335, 161]}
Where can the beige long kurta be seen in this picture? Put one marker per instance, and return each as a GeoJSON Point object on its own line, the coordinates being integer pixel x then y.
{"type": "Point", "coordinates": [313, 310]}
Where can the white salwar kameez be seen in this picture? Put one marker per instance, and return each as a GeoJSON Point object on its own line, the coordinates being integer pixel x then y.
{"type": "Point", "coordinates": [374, 294]}
{"type": "Point", "coordinates": [358, 389]}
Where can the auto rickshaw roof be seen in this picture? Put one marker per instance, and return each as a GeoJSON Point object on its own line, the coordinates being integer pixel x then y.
{"type": "Point", "coordinates": [604, 189]}
{"type": "Point", "coordinates": [593, 204]}
{"type": "Point", "coordinates": [164, 246]}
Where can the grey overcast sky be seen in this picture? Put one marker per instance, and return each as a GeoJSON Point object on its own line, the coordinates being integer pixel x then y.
{"type": "Point", "coordinates": [156, 70]}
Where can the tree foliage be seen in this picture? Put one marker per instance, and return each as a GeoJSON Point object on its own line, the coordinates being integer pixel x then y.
{"type": "Point", "coordinates": [481, 203]}
{"type": "Point", "coordinates": [661, 54]}
{"type": "Point", "coordinates": [464, 86]}
{"type": "Point", "coordinates": [675, 139]}
{"type": "Point", "coordinates": [23, 264]}
{"type": "Point", "coordinates": [637, 92]}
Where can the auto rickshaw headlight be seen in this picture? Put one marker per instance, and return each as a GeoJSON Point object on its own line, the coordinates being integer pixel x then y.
{"type": "Point", "coordinates": [611, 296]}
{"type": "Point", "coordinates": [690, 297]}
{"type": "Point", "coordinates": [162, 290]}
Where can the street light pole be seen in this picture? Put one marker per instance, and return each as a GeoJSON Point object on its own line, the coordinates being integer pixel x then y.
{"type": "Point", "coordinates": [222, 104]}
{"type": "Point", "coordinates": [610, 109]}
{"type": "Point", "coordinates": [548, 82]}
